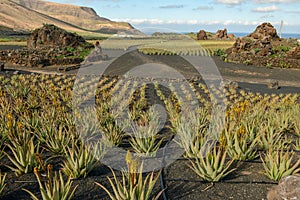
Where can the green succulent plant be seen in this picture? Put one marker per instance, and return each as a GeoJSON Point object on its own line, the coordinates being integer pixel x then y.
{"type": "Point", "coordinates": [132, 185]}
{"type": "Point", "coordinates": [2, 182]}
{"type": "Point", "coordinates": [213, 166]}
{"type": "Point", "coordinates": [24, 157]}
{"type": "Point", "coordinates": [55, 187]}
{"type": "Point", "coordinates": [79, 160]}
{"type": "Point", "coordinates": [278, 164]}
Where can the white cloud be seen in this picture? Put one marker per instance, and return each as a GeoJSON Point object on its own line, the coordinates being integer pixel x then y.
{"type": "Point", "coordinates": [276, 1]}
{"type": "Point", "coordinates": [171, 6]}
{"type": "Point", "coordinates": [158, 21]}
{"type": "Point", "coordinates": [204, 8]}
{"type": "Point", "coordinates": [230, 2]}
{"type": "Point", "coordinates": [190, 22]}
{"type": "Point", "coordinates": [266, 9]}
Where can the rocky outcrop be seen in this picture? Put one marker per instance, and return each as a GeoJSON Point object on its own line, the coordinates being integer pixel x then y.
{"type": "Point", "coordinates": [201, 35]}
{"type": "Point", "coordinates": [222, 34]}
{"type": "Point", "coordinates": [288, 188]}
{"type": "Point", "coordinates": [219, 35]}
{"type": "Point", "coordinates": [50, 36]}
{"type": "Point", "coordinates": [264, 30]}
{"type": "Point", "coordinates": [49, 45]}
{"type": "Point", "coordinates": [263, 47]}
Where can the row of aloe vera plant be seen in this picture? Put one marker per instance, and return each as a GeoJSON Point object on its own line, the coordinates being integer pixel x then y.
{"type": "Point", "coordinates": [37, 117]}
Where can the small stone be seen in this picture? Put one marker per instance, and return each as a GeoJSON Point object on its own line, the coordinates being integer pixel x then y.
{"type": "Point", "coordinates": [273, 84]}
{"type": "Point", "coordinates": [229, 84]}
{"type": "Point", "coordinates": [288, 188]}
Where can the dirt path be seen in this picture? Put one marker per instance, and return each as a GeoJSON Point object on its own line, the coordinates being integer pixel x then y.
{"type": "Point", "coordinates": [258, 75]}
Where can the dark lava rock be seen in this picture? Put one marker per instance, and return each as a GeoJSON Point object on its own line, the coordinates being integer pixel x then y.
{"type": "Point", "coordinates": [202, 35]}
{"type": "Point", "coordinates": [264, 30]}
{"type": "Point", "coordinates": [222, 34]}
{"type": "Point", "coordinates": [51, 36]}
{"type": "Point", "coordinates": [47, 46]}
{"type": "Point", "coordinates": [263, 47]}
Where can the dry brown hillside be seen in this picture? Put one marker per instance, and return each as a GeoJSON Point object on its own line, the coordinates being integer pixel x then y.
{"type": "Point", "coordinates": [31, 14]}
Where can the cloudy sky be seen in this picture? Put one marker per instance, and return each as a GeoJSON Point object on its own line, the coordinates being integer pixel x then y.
{"type": "Point", "coordinates": [193, 15]}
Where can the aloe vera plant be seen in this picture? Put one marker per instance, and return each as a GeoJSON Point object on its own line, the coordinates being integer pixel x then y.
{"type": "Point", "coordinates": [57, 139]}
{"type": "Point", "coordinates": [278, 164]}
{"type": "Point", "coordinates": [213, 166]}
{"type": "Point", "coordinates": [2, 182]}
{"type": "Point", "coordinates": [296, 120]}
{"type": "Point", "coordinates": [55, 187]}
{"type": "Point", "coordinates": [297, 144]}
{"type": "Point", "coordinates": [192, 130]}
{"type": "Point", "coordinates": [112, 132]}
{"type": "Point", "coordinates": [269, 136]}
{"type": "Point", "coordinates": [24, 157]}
{"type": "Point", "coordinates": [132, 185]}
{"type": "Point", "coordinates": [240, 144]}
{"type": "Point", "coordinates": [145, 141]}
{"type": "Point", "coordinates": [79, 160]}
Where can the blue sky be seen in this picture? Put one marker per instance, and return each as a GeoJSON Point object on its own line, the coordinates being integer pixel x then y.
{"type": "Point", "coordinates": [193, 15]}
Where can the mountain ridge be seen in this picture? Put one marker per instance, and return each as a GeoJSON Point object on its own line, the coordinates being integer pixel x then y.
{"type": "Point", "coordinates": [27, 15]}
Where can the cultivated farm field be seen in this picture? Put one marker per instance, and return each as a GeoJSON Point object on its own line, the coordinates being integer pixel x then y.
{"type": "Point", "coordinates": [43, 155]}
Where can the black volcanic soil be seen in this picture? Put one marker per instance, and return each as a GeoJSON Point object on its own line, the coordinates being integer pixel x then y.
{"type": "Point", "coordinates": [179, 181]}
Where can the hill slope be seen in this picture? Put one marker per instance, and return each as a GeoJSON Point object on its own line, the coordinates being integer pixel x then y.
{"type": "Point", "coordinates": [31, 14]}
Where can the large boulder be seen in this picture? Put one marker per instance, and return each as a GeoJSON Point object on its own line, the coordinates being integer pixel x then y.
{"type": "Point", "coordinates": [222, 34]}
{"type": "Point", "coordinates": [50, 36]}
{"type": "Point", "coordinates": [264, 30]}
{"type": "Point", "coordinates": [202, 35]}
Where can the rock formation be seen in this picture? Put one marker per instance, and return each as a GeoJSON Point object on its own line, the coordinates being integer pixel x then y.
{"type": "Point", "coordinates": [222, 34]}
{"type": "Point", "coordinates": [50, 36]}
{"type": "Point", "coordinates": [202, 35]}
{"type": "Point", "coordinates": [264, 30]}
{"type": "Point", "coordinates": [260, 40]}
{"type": "Point", "coordinates": [263, 47]}
{"type": "Point", "coordinates": [49, 45]}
